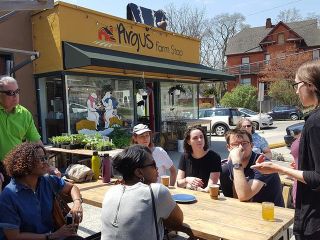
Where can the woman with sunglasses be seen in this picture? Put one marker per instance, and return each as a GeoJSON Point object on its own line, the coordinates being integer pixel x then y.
{"type": "Point", "coordinates": [127, 210]}
{"type": "Point", "coordinates": [142, 135]}
{"type": "Point", "coordinates": [26, 202]}
{"type": "Point", "coordinates": [307, 211]}
{"type": "Point", "coordinates": [198, 166]}
{"type": "Point", "coordinates": [260, 144]}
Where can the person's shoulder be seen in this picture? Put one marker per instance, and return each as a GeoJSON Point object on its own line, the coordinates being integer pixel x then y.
{"type": "Point", "coordinates": [159, 188]}
{"type": "Point", "coordinates": [159, 149]}
{"type": "Point", "coordinates": [213, 154]}
{"type": "Point", "coordinates": [22, 110]}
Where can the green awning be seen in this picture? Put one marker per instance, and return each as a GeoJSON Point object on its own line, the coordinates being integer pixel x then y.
{"type": "Point", "coordinates": [77, 56]}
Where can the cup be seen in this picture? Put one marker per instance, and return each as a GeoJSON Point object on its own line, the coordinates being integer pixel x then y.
{"type": "Point", "coordinates": [214, 191]}
{"type": "Point", "coordinates": [268, 211]}
{"type": "Point", "coordinates": [165, 179]}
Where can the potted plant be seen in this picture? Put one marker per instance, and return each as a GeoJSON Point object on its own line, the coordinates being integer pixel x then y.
{"type": "Point", "coordinates": [181, 128]}
{"type": "Point", "coordinates": [104, 145]}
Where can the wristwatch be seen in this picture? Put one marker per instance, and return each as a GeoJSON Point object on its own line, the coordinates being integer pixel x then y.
{"type": "Point", "coordinates": [237, 165]}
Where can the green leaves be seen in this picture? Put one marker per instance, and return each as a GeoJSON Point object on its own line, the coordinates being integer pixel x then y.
{"type": "Point", "coordinates": [242, 96]}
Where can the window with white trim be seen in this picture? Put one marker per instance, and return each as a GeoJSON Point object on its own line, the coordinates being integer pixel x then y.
{"type": "Point", "coordinates": [245, 81]}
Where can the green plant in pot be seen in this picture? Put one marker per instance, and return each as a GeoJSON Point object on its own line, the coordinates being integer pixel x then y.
{"type": "Point", "coordinates": [104, 145]}
{"type": "Point", "coordinates": [121, 138]}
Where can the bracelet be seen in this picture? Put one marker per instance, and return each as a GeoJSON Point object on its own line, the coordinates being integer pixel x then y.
{"type": "Point", "coordinates": [79, 199]}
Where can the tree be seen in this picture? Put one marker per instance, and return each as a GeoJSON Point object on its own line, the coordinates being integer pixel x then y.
{"type": "Point", "coordinates": [289, 15]}
{"type": "Point", "coordinates": [280, 70]}
{"type": "Point", "coordinates": [283, 93]}
{"type": "Point", "coordinates": [242, 96]}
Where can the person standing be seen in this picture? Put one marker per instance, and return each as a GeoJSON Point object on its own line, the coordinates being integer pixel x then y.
{"type": "Point", "coordinates": [16, 122]}
{"type": "Point", "coordinates": [307, 211]}
{"type": "Point", "coordinates": [142, 135]}
{"type": "Point", "coordinates": [199, 167]}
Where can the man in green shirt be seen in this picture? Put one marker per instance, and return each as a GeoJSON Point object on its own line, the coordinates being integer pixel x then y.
{"type": "Point", "coordinates": [16, 122]}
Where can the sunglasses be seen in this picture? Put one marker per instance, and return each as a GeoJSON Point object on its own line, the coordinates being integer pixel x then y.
{"type": "Point", "coordinates": [247, 126]}
{"type": "Point", "coordinates": [43, 159]}
{"type": "Point", "coordinates": [11, 93]}
{"type": "Point", "coordinates": [154, 165]}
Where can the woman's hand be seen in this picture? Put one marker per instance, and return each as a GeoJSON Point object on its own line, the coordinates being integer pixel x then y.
{"type": "Point", "coordinates": [77, 211]}
{"type": "Point", "coordinates": [267, 167]}
{"type": "Point", "coordinates": [194, 182]}
{"type": "Point", "coordinates": [65, 231]}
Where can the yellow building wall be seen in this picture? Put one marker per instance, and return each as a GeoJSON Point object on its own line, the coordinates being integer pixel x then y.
{"type": "Point", "coordinates": [66, 22]}
{"type": "Point", "coordinates": [47, 40]}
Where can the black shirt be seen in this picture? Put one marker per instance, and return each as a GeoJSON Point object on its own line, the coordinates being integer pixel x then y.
{"type": "Point", "coordinates": [307, 213]}
{"type": "Point", "coordinates": [270, 192]}
{"type": "Point", "coordinates": [201, 167]}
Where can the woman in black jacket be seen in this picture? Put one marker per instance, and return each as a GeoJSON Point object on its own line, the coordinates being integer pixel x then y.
{"type": "Point", "coordinates": [307, 212]}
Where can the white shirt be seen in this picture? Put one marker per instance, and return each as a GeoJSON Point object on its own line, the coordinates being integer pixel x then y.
{"type": "Point", "coordinates": [162, 159]}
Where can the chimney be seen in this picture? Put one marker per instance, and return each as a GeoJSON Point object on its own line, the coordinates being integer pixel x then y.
{"type": "Point", "coordinates": [268, 23]}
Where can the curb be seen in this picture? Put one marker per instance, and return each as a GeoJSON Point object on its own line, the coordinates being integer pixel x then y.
{"type": "Point", "coordinates": [277, 145]}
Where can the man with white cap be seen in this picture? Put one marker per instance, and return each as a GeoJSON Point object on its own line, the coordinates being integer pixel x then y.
{"type": "Point", "coordinates": [142, 135]}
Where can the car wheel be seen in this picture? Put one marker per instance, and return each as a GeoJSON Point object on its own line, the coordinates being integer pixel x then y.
{"type": "Point", "coordinates": [294, 117]}
{"type": "Point", "coordinates": [220, 130]}
{"type": "Point", "coordinates": [255, 125]}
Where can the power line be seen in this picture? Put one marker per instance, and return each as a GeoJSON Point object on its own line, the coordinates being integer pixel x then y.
{"type": "Point", "coordinates": [266, 10]}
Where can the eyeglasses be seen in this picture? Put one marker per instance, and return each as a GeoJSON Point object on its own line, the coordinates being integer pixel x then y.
{"type": "Point", "coordinates": [246, 126]}
{"type": "Point", "coordinates": [154, 165]}
{"type": "Point", "coordinates": [11, 93]}
{"type": "Point", "coordinates": [295, 85]}
{"type": "Point", "coordinates": [243, 144]}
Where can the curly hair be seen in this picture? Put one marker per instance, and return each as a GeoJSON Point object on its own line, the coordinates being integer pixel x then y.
{"type": "Point", "coordinates": [186, 145]}
{"type": "Point", "coordinates": [21, 161]}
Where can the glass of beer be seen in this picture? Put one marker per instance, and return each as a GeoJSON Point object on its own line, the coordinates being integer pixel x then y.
{"type": "Point", "coordinates": [268, 211]}
{"type": "Point", "coordinates": [214, 191]}
{"type": "Point", "coordinates": [165, 180]}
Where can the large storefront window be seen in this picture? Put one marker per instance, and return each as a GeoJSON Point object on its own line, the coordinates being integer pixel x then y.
{"type": "Point", "coordinates": [178, 100]}
{"type": "Point", "coordinates": [98, 103]}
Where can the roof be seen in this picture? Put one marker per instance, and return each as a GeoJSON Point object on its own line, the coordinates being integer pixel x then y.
{"type": "Point", "coordinates": [78, 55]}
{"type": "Point", "coordinates": [248, 39]}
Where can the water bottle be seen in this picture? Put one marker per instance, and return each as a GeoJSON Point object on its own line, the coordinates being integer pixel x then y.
{"type": "Point", "coordinates": [106, 168]}
{"type": "Point", "coordinates": [95, 165]}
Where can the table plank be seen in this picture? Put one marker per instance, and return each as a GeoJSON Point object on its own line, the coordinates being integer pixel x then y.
{"type": "Point", "coordinates": [224, 218]}
{"type": "Point", "coordinates": [84, 152]}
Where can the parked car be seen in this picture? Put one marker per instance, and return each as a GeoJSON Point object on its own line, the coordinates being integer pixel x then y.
{"type": "Point", "coordinates": [222, 119]}
{"type": "Point", "coordinates": [286, 112]}
{"type": "Point", "coordinates": [291, 130]}
{"type": "Point", "coordinates": [266, 119]}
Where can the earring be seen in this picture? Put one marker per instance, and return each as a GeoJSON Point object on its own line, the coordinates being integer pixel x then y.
{"type": "Point", "coordinates": [142, 179]}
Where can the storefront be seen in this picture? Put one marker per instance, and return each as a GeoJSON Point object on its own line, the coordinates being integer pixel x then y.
{"type": "Point", "coordinates": [97, 71]}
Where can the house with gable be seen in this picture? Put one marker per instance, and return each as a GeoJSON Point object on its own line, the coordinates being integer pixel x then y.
{"type": "Point", "coordinates": [251, 49]}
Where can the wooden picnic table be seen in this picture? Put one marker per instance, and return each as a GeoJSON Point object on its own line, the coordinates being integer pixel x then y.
{"type": "Point", "coordinates": [225, 218]}
{"type": "Point", "coordinates": [62, 162]}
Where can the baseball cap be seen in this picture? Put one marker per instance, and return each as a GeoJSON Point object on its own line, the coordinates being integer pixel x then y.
{"type": "Point", "coordinates": [140, 128]}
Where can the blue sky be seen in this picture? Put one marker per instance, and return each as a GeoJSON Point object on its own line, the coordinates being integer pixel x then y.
{"type": "Point", "coordinates": [255, 11]}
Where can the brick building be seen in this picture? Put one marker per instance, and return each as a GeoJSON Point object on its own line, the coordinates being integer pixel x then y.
{"type": "Point", "coordinates": [252, 48]}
